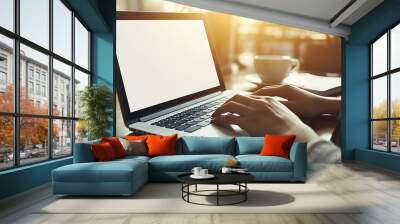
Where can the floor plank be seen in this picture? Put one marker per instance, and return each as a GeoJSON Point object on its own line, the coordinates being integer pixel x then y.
{"type": "Point", "coordinates": [378, 189]}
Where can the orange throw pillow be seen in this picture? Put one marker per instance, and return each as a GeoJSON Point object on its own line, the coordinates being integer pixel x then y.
{"type": "Point", "coordinates": [161, 145]}
{"type": "Point", "coordinates": [277, 145]}
{"type": "Point", "coordinates": [103, 152]}
{"type": "Point", "coordinates": [136, 137]}
{"type": "Point", "coordinates": [116, 145]}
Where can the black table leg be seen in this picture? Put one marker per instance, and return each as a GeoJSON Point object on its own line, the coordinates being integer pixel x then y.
{"type": "Point", "coordinates": [245, 193]}
{"type": "Point", "coordinates": [217, 194]}
{"type": "Point", "coordinates": [182, 190]}
{"type": "Point", "coordinates": [188, 190]}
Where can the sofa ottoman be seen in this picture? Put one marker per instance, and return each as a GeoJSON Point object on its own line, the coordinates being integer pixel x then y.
{"type": "Point", "coordinates": [119, 177]}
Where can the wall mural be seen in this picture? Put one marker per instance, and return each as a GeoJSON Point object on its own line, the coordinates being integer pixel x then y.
{"type": "Point", "coordinates": [289, 79]}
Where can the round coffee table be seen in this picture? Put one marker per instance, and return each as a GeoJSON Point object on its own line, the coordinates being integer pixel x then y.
{"type": "Point", "coordinates": [238, 179]}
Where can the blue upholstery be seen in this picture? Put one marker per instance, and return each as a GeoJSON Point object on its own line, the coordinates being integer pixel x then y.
{"type": "Point", "coordinates": [257, 163]}
{"type": "Point", "coordinates": [83, 152]}
{"type": "Point", "coordinates": [249, 145]}
{"type": "Point", "coordinates": [184, 163]}
{"type": "Point", "coordinates": [194, 145]}
{"type": "Point", "coordinates": [125, 176]}
{"type": "Point", "coordinates": [119, 177]}
{"type": "Point", "coordinates": [298, 155]}
{"type": "Point", "coordinates": [167, 168]}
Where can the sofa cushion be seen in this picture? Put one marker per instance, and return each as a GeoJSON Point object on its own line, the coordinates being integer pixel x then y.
{"type": "Point", "coordinates": [134, 147]}
{"type": "Point", "coordinates": [161, 145]}
{"type": "Point", "coordinates": [103, 152]}
{"type": "Point", "coordinates": [136, 137]}
{"type": "Point", "coordinates": [185, 163]}
{"type": "Point", "coordinates": [116, 145]}
{"type": "Point", "coordinates": [277, 145]}
{"type": "Point", "coordinates": [249, 145]}
{"type": "Point", "coordinates": [112, 171]}
{"type": "Point", "coordinates": [257, 163]}
{"type": "Point", "coordinates": [196, 145]}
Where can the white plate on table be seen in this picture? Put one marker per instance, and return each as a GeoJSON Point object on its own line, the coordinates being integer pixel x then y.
{"type": "Point", "coordinates": [200, 177]}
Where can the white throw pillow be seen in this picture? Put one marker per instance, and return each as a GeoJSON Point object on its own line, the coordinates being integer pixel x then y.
{"type": "Point", "coordinates": [134, 147]}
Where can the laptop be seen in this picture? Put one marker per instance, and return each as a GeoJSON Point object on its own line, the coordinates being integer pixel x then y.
{"type": "Point", "coordinates": [168, 78]}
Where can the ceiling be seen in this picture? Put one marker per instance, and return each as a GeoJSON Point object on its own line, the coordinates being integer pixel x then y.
{"type": "Point", "coordinates": [325, 16]}
{"type": "Point", "coordinates": [320, 9]}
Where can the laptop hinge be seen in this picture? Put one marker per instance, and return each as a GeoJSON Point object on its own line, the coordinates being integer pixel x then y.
{"type": "Point", "coordinates": [178, 107]}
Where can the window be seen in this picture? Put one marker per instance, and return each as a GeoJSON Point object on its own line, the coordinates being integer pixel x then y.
{"type": "Point", "coordinates": [30, 72]}
{"type": "Point", "coordinates": [33, 140]}
{"type": "Point", "coordinates": [62, 74]}
{"type": "Point", "coordinates": [81, 45]}
{"type": "Point", "coordinates": [38, 74]}
{"type": "Point", "coordinates": [62, 137]}
{"type": "Point", "coordinates": [7, 14]}
{"type": "Point", "coordinates": [6, 142]}
{"type": "Point", "coordinates": [81, 81]}
{"type": "Point", "coordinates": [385, 94]}
{"type": "Point", "coordinates": [6, 73]}
{"type": "Point", "coordinates": [37, 89]}
{"type": "Point", "coordinates": [3, 78]}
{"type": "Point", "coordinates": [62, 31]}
{"type": "Point", "coordinates": [3, 61]}
{"type": "Point", "coordinates": [43, 90]}
{"type": "Point", "coordinates": [35, 21]}
{"type": "Point", "coordinates": [47, 74]}
{"type": "Point", "coordinates": [30, 87]}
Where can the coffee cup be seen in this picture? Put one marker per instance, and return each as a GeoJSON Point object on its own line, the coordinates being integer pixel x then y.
{"type": "Point", "coordinates": [203, 172]}
{"type": "Point", "coordinates": [226, 170]}
{"type": "Point", "coordinates": [273, 69]}
{"type": "Point", "coordinates": [196, 171]}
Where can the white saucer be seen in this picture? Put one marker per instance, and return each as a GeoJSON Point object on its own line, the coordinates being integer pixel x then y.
{"type": "Point", "coordinates": [208, 176]}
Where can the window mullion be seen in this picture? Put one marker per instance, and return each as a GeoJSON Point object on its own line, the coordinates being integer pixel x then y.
{"type": "Point", "coordinates": [389, 101]}
{"type": "Point", "coordinates": [16, 85]}
{"type": "Point", "coordinates": [371, 137]}
{"type": "Point", "coordinates": [73, 82]}
{"type": "Point", "coordinates": [50, 81]}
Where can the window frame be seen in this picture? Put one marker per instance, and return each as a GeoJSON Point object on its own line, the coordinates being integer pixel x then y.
{"type": "Point", "coordinates": [388, 74]}
{"type": "Point", "coordinates": [16, 115]}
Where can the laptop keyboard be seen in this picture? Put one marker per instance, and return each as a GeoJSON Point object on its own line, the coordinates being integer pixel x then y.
{"type": "Point", "coordinates": [192, 119]}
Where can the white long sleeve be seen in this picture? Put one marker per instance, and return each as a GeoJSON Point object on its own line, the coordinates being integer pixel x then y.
{"type": "Point", "coordinates": [320, 150]}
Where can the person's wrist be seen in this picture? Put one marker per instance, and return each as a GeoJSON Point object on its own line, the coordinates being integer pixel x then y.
{"type": "Point", "coordinates": [329, 105]}
{"type": "Point", "coordinates": [303, 132]}
{"type": "Point", "coordinates": [307, 134]}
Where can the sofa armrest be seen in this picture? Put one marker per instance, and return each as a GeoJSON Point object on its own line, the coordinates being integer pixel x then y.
{"type": "Point", "coordinates": [83, 152]}
{"type": "Point", "coordinates": [298, 155]}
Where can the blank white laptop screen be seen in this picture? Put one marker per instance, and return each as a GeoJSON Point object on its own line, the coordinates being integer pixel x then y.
{"type": "Point", "coordinates": [162, 60]}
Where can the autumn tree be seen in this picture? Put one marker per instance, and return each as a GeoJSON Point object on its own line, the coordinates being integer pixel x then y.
{"type": "Point", "coordinates": [6, 122]}
{"type": "Point", "coordinates": [33, 131]}
{"type": "Point", "coordinates": [380, 127]}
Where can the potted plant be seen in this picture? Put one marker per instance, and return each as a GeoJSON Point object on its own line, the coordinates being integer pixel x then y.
{"type": "Point", "coordinates": [96, 103]}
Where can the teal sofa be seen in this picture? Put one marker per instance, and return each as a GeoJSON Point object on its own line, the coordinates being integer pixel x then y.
{"type": "Point", "coordinates": [125, 176]}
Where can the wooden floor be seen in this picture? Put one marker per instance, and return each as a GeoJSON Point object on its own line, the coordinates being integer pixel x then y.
{"type": "Point", "coordinates": [379, 189]}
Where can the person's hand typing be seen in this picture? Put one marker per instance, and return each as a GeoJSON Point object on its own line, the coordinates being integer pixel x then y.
{"type": "Point", "coordinates": [303, 103]}
{"type": "Point", "coordinates": [261, 115]}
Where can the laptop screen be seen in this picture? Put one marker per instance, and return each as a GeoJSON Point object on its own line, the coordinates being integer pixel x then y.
{"type": "Point", "coordinates": [163, 60]}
